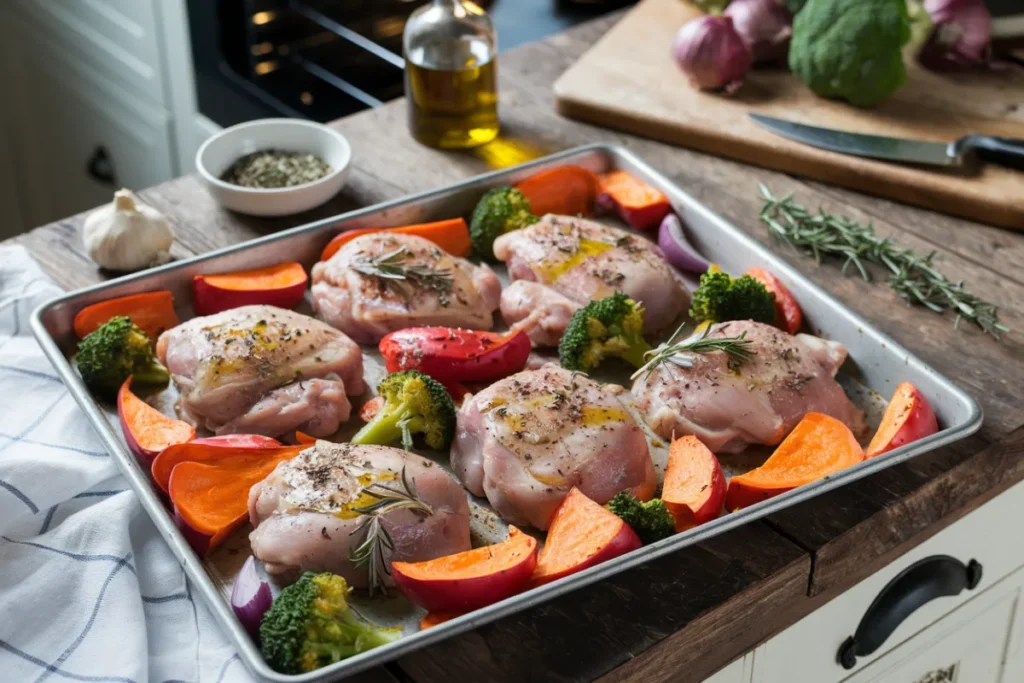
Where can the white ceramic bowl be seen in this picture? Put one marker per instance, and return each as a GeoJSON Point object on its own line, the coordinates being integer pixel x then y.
{"type": "Point", "coordinates": [291, 135]}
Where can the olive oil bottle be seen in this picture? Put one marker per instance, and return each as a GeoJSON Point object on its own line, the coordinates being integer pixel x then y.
{"type": "Point", "coordinates": [451, 81]}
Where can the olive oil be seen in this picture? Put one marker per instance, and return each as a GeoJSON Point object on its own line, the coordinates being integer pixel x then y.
{"type": "Point", "coordinates": [451, 75]}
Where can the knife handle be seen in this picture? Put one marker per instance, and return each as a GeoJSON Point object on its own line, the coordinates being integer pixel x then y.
{"type": "Point", "coordinates": [1007, 152]}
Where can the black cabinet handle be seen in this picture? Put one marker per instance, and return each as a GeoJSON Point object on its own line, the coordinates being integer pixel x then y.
{"type": "Point", "coordinates": [920, 583]}
{"type": "Point", "coordinates": [101, 167]}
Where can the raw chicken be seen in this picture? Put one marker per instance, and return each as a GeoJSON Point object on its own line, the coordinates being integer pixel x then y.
{"type": "Point", "coordinates": [757, 403]}
{"type": "Point", "coordinates": [304, 520]}
{"type": "Point", "coordinates": [584, 260]}
{"type": "Point", "coordinates": [538, 310]}
{"type": "Point", "coordinates": [525, 441]}
{"type": "Point", "coordinates": [380, 283]}
{"type": "Point", "coordinates": [262, 370]}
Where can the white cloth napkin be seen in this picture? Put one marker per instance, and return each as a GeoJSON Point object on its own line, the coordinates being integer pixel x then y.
{"type": "Point", "coordinates": [88, 589]}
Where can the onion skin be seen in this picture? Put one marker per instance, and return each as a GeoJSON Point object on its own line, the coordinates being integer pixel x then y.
{"type": "Point", "coordinates": [960, 39]}
{"type": "Point", "coordinates": [764, 25]}
{"type": "Point", "coordinates": [712, 54]}
{"type": "Point", "coordinates": [250, 598]}
{"type": "Point", "coordinates": [678, 250]}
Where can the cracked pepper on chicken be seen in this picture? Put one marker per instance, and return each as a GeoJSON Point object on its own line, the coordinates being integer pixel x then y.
{"type": "Point", "coordinates": [380, 283]}
{"type": "Point", "coordinates": [262, 370]}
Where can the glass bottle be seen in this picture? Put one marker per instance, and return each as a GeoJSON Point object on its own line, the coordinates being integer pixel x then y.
{"type": "Point", "coordinates": [451, 75]}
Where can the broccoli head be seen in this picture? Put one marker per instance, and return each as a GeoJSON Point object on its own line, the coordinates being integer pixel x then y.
{"type": "Point", "coordinates": [414, 403]}
{"type": "Point", "coordinates": [500, 210]}
{"type": "Point", "coordinates": [608, 327]}
{"type": "Point", "coordinates": [651, 520]}
{"type": "Point", "coordinates": [720, 298]}
{"type": "Point", "coordinates": [113, 352]}
{"type": "Point", "coordinates": [310, 625]}
{"type": "Point", "coordinates": [851, 50]}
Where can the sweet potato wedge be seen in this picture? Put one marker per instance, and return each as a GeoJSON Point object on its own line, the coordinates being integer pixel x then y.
{"type": "Point", "coordinates": [694, 488]}
{"type": "Point", "coordinates": [907, 418]}
{"type": "Point", "coordinates": [153, 312]}
{"type": "Point", "coordinates": [146, 430]}
{"type": "Point", "coordinates": [788, 315]}
{"type": "Point", "coordinates": [818, 446]}
{"type": "Point", "coordinates": [472, 579]}
{"type": "Point", "coordinates": [282, 285]}
{"type": "Point", "coordinates": [565, 190]}
{"type": "Point", "coordinates": [582, 534]}
{"type": "Point", "coordinates": [641, 206]}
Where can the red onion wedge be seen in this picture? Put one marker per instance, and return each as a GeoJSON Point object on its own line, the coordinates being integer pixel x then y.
{"type": "Point", "coordinates": [678, 250]}
{"type": "Point", "coordinates": [250, 598]}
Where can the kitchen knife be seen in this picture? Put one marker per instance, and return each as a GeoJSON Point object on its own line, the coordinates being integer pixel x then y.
{"type": "Point", "coordinates": [1003, 151]}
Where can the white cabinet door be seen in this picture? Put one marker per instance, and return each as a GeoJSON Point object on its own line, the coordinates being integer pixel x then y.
{"type": "Point", "coordinates": [77, 139]}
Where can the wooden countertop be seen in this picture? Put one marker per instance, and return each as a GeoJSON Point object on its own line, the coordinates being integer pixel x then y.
{"type": "Point", "coordinates": [682, 617]}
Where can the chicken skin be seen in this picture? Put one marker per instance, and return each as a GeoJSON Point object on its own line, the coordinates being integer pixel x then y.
{"type": "Point", "coordinates": [304, 516]}
{"type": "Point", "coordinates": [538, 310]}
{"type": "Point", "coordinates": [758, 402]}
{"type": "Point", "coordinates": [262, 370]}
{"type": "Point", "coordinates": [380, 283]}
{"type": "Point", "coordinates": [526, 440]}
{"type": "Point", "coordinates": [584, 260]}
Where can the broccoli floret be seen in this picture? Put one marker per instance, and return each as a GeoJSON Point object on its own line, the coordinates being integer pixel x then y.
{"type": "Point", "coordinates": [608, 327]}
{"type": "Point", "coordinates": [414, 403]}
{"type": "Point", "coordinates": [720, 298]}
{"type": "Point", "coordinates": [651, 520]}
{"type": "Point", "coordinates": [500, 210]}
{"type": "Point", "coordinates": [310, 625]}
{"type": "Point", "coordinates": [851, 50]}
{"type": "Point", "coordinates": [115, 350]}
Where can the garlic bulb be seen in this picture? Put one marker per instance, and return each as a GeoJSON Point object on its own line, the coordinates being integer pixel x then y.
{"type": "Point", "coordinates": [127, 234]}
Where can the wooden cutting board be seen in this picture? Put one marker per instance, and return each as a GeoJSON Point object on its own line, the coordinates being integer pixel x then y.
{"type": "Point", "coordinates": [628, 81]}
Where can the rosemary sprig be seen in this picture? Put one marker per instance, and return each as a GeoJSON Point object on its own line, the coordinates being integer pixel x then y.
{"type": "Point", "coordinates": [395, 270]}
{"type": "Point", "coordinates": [911, 275]}
{"type": "Point", "coordinates": [377, 540]}
{"type": "Point", "coordinates": [681, 351]}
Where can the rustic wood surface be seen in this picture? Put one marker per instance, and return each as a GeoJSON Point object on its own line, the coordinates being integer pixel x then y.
{"type": "Point", "coordinates": [635, 86]}
{"type": "Point", "coordinates": [684, 616]}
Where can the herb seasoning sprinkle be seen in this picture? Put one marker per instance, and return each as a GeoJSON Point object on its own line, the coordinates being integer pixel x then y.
{"type": "Point", "coordinates": [271, 168]}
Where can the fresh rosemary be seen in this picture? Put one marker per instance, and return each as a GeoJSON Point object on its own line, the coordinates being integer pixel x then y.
{"type": "Point", "coordinates": [395, 270]}
{"type": "Point", "coordinates": [377, 540]}
{"type": "Point", "coordinates": [911, 275]}
{"type": "Point", "coordinates": [680, 351]}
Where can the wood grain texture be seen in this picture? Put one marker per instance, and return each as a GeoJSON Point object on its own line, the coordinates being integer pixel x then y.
{"type": "Point", "coordinates": [629, 81]}
{"type": "Point", "coordinates": [683, 604]}
{"type": "Point", "coordinates": [679, 618]}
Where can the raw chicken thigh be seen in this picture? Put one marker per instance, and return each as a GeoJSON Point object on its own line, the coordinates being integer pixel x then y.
{"type": "Point", "coordinates": [584, 260]}
{"type": "Point", "coordinates": [526, 440]}
{"type": "Point", "coordinates": [303, 515]}
{"type": "Point", "coordinates": [380, 283]}
{"type": "Point", "coordinates": [538, 310]}
{"type": "Point", "coordinates": [262, 370]}
{"type": "Point", "coordinates": [757, 403]}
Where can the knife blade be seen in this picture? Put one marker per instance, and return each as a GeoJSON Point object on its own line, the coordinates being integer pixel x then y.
{"type": "Point", "coordinates": [863, 145]}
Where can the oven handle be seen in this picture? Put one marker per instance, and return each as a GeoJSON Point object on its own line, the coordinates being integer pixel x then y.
{"type": "Point", "coordinates": [920, 583]}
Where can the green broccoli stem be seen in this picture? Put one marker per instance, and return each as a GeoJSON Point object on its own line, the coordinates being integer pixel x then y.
{"type": "Point", "coordinates": [152, 375]}
{"type": "Point", "coordinates": [636, 351]}
{"type": "Point", "coordinates": [389, 427]}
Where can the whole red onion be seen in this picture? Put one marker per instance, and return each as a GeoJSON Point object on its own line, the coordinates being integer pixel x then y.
{"type": "Point", "coordinates": [960, 35]}
{"type": "Point", "coordinates": [711, 53]}
{"type": "Point", "coordinates": [764, 25]}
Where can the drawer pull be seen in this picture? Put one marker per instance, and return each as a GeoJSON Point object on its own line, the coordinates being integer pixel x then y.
{"type": "Point", "coordinates": [933, 577]}
{"type": "Point", "coordinates": [101, 167]}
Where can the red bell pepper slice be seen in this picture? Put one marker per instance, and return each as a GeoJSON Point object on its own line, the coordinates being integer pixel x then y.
{"type": "Point", "coordinates": [452, 355]}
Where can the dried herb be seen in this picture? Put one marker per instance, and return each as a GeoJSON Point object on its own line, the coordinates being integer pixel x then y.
{"type": "Point", "coordinates": [376, 538]}
{"type": "Point", "coordinates": [270, 168]}
{"type": "Point", "coordinates": [394, 270]}
{"type": "Point", "coordinates": [911, 275]}
{"type": "Point", "coordinates": [680, 351]}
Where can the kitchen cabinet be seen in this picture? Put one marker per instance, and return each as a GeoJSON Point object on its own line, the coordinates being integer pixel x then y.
{"type": "Point", "coordinates": [100, 96]}
{"type": "Point", "coordinates": [972, 636]}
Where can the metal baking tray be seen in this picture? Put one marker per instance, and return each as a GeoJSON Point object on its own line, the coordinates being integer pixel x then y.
{"type": "Point", "coordinates": [876, 365]}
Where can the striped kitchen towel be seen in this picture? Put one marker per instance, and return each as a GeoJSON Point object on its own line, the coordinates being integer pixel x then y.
{"type": "Point", "coordinates": [88, 589]}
